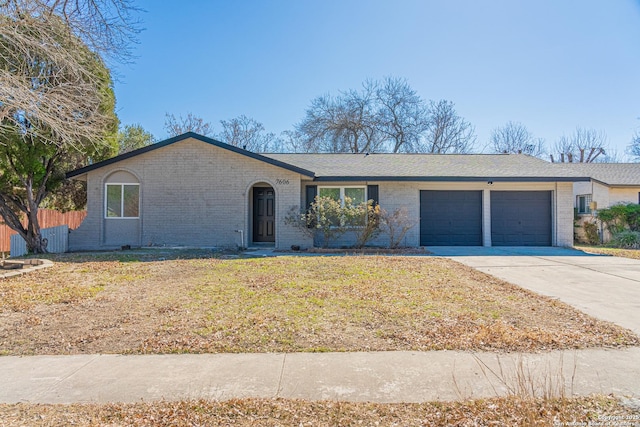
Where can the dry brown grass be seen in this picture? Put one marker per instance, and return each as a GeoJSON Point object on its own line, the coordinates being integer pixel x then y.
{"type": "Point", "coordinates": [625, 253]}
{"type": "Point", "coordinates": [280, 412]}
{"type": "Point", "coordinates": [150, 302]}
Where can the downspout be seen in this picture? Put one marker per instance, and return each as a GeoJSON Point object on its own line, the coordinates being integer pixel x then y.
{"type": "Point", "coordinates": [241, 238]}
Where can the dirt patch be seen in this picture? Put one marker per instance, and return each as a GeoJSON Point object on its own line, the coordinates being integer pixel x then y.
{"type": "Point", "coordinates": [167, 304]}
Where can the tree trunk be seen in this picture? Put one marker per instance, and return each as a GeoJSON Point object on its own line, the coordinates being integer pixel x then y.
{"type": "Point", "coordinates": [35, 243]}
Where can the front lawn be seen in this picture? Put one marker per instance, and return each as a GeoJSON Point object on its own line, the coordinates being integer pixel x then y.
{"type": "Point", "coordinates": [146, 302]}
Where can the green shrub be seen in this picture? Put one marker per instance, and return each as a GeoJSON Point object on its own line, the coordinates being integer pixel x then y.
{"type": "Point", "coordinates": [623, 221]}
{"type": "Point", "coordinates": [327, 220]}
{"type": "Point", "coordinates": [364, 220]}
{"type": "Point", "coordinates": [626, 239]}
{"type": "Point", "coordinates": [621, 217]}
{"type": "Point", "coordinates": [322, 219]}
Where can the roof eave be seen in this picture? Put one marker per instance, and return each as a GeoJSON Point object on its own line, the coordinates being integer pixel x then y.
{"type": "Point", "coordinates": [451, 178]}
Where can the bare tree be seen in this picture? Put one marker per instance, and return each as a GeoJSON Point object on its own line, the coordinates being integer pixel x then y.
{"type": "Point", "coordinates": [247, 133]}
{"type": "Point", "coordinates": [343, 124]}
{"type": "Point", "coordinates": [32, 30]}
{"type": "Point", "coordinates": [178, 126]}
{"type": "Point", "coordinates": [402, 114]}
{"type": "Point", "coordinates": [583, 146]}
{"type": "Point", "coordinates": [384, 116]}
{"type": "Point", "coordinates": [634, 147]}
{"type": "Point", "coordinates": [49, 76]}
{"type": "Point", "coordinates": [446, 132]}
{"type": "Point", "coordinates": [292, 141]}
{"type": "Point", "coordinates": [56, 96]}
{"type": "Point", "coordinates": [37, 142]}
{"type": "Point", "coordinates": [515, 138]}
{"type": "Point", "coordinates": [107, 27]}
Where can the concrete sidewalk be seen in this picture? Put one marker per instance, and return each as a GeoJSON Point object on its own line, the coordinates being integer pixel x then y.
{"type": "Point", "coordinates": [375, 377]}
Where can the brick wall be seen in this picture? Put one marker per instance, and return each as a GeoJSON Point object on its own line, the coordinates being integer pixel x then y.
{"type": "Point", "coordinates": [191, 194]}
{"type": "Point", "coordinates": [394, 195]}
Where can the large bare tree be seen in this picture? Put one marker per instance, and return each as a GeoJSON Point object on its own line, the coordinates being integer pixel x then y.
{"type": "Point", "coordinates": [56, 98]}
{"type": "Point", "coordinates": [384, 116]}
{"type": "Point", "coordinates": [515, 138]}
{"type": "Point", "coordinates": [35, 148]}
{"type": "Point", "coordinates": [247, 133]}
{"type": "Point", "coordinates": [403, 116]}
{"type": "Point", "coordinates": [31, 31]}
{"type": "Point", "coordinates": [178, 125]}
{"type": "Point", "coordinates": [447, 132]}
{"type": "Point", "coordinates": [582, 146]}
{"type": "Point", "coordinates": [634, 147]}
{"type": "Point", "coordinates": [342, 124]}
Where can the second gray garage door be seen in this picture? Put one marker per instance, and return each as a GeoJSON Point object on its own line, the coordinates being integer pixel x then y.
{"type": "Point", "coordinates": [521, 218]}
{"type": "Point", "coordinates": [450, 218]}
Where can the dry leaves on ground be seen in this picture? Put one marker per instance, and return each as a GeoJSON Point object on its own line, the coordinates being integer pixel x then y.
{"type": "Point", "coordinates": [160, 303]}
{"type": "Point", "coordinates": [509, 411]}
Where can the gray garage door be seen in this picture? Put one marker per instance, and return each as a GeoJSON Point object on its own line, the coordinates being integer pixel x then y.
{"type": "Point", "coordinates": [451, 218]}
{"type": "Point", "coordinates": [521, 218]}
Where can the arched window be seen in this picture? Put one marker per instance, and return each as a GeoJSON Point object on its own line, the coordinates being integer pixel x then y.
{"type": "Point", "coordinates": [122, 196]}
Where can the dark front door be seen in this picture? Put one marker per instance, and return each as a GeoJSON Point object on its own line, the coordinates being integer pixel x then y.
{"type": "Point", "coordinates": [264, 218]}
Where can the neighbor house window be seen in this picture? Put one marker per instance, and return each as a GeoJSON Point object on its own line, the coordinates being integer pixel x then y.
{"type": "Point", "coordinates": [356, 195]}
{"type": "Point", "coordinates": [122, 201]}
{"type": "Point", "coordinates": [583, 203]}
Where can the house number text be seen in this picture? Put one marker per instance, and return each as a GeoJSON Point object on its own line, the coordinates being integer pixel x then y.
{"type": "Point", "coordinates": [282, 182]}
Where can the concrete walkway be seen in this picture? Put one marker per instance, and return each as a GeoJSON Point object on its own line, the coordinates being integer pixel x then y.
{"type": "Point", "coordinates": [375, 377]}
{"type": "Point", "coordinates": [605, 287]}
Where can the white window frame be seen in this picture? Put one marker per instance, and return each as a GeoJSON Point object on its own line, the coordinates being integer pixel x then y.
{"type": "Point", "coordinates": [106, 195]}
{"type": "Point", "coordinates": [342, 188]}
{"type": "Point", "coordinates": [342, 196]}
{"type": "Point", "coordinates": [588, 198]}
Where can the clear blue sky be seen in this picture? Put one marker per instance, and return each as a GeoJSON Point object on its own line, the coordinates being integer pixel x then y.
{"type": "Point", "coordinates": [551, 64]}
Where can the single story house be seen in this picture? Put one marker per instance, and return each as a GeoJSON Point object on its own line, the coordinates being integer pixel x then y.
{"type": "Point", "coordinates": [610, 184]}
{"type": "Point", "coordinates": [191, 190]}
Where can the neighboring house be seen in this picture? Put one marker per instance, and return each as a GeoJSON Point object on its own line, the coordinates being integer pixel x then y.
{"type": "Point", "coordinates": [610, 184]}
{"type": "Point", "coordinates": [195, 191]}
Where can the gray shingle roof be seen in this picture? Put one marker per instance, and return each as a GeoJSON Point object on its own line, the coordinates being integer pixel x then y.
{"type": "Point", "coordinates": [613, 174]}
{"type": "Point", "coordinates": [512, 167]}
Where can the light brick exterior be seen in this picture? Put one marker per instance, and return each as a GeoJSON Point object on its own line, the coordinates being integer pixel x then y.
{"type": "Point", "coordinates": [394, 195]}
{"type": "Point", "coordinates": [604, 196]}
{"type": "Point", "coordinates": [191, 194]}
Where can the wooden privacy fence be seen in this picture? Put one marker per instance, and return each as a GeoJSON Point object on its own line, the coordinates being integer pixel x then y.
{"type": "Point", "coordinates": [47, 218]}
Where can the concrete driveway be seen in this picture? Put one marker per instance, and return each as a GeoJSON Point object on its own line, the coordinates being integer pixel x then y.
{"type": "Point", "coordinates": [603, 286]}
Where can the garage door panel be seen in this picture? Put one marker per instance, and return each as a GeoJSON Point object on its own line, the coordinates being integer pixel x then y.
{"type": "Point", "coordinates": [521, 218]}
{"type": "Point", "coordinates": [450, 218]}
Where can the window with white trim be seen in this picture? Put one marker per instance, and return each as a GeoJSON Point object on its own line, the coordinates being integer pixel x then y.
{"type": "Point", "coordinates": [355, 195]}
{"type": "Point", "coordinates": [583, 203]}
{"type": "Point", "coordinates": [122, 201]}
